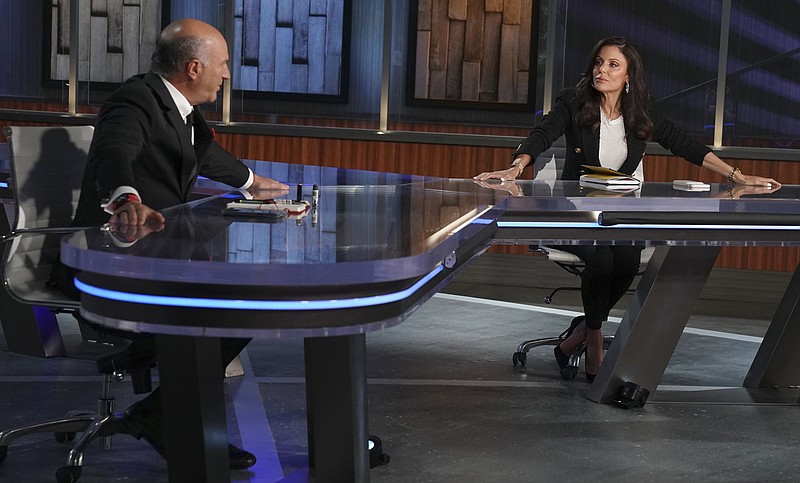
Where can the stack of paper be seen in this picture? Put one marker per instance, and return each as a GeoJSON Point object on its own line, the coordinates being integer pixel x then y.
{"type": "Point", "coordinates": [598, 177]}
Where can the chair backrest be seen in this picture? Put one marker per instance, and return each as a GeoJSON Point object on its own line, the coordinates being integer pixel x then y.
{"type": "Point", "coordinates": [548, 165]}
{"type": "Point", "coordinates": [46, 171]}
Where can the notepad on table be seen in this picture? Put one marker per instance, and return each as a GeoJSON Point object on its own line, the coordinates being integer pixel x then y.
{"type": "Point", "coordinates": [597, 176]}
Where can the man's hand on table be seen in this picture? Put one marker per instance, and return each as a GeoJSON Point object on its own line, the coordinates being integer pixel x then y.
{"type": "Point", "coordinates": [134, 221]}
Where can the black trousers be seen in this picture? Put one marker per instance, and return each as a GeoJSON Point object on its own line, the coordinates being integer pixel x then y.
{"type": "Point", "coordinates": [230, 348]}
{"type": "Point", "coordinates": [609, 273]}
{"type": "Point", "coordinates": [144, 345]}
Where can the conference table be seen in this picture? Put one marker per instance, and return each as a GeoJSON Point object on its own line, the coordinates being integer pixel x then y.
{"type": "Point", "coordinates": [366, 251]}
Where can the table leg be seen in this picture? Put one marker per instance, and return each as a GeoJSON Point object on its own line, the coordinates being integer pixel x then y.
{"type": "Point", "coordinates": [655, 319]}
{"type": "Point", "coordinates": [336, 399]}
{"type": "Point", "coordinates": [193, 405]}
{"type": "Point", "coordinates": [777, 362]}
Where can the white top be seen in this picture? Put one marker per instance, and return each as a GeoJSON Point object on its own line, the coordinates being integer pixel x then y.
{"type": "Point", "coordinates": [613, 146]}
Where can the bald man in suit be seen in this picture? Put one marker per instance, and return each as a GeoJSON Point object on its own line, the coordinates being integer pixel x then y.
{"type": "Point", "coordinates": [149, 146]}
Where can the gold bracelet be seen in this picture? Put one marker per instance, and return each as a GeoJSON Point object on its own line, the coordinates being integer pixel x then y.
{"type": "Point", "coordinates": [733, 173]}
{"type": "Point", "coordinates": [517, 164]}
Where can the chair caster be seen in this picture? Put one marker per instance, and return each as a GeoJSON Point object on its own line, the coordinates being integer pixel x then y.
{"type": "Point", "coordinates": [547, 300]}
{"type": "Point", "coordinates": [68, 474]}
{"type": "Point", "coordinates": [519, 358]}
{"type": "Point", "coordinates": [3, 453]}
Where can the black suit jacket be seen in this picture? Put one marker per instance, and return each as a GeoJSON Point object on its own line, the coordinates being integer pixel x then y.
{"type": "Point", "coordinates": [140, 140]}
{"type": "Point", "coordinates": [583, 143]}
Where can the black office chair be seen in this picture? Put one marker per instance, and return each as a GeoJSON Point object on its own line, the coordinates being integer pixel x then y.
{"type": "Point", "coordinates": [547, 168]}
{"type": "Point", "coordinates": [47, 165]}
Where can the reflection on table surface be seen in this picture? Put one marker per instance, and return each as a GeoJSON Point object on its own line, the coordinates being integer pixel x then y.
{"type": "Point", "coordinates": [384, 226]}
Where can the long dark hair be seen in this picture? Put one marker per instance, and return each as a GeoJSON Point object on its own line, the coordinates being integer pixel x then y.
{"type": "Point", "coordinates": [634, 104]}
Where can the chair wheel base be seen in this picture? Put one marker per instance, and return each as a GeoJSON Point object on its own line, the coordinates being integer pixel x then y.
{"type": "Point", "coordinates": [519, 358]}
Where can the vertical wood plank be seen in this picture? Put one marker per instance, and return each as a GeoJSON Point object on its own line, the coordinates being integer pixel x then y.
{"type": "Point", "coordinates": [525, 35]}
{"type": "Point", "coordinates": [494, 6]}
{"type": "Point", "coordinates": [86, 34]}
{"type": "Point", "coordinates": [113, 67]}
{"type": "Point", "coordinates": [470, 83]}
{"type": "Point", "coordinates": [300, 31]}
{"type": "Point", "coordinates": [251, 23]}
{"type": "Point", "coordinates": [148, 33]}
{"type": "Point", "coordinates": [318, 7]}
{"type": "Point", "coordinates": [299, 78]}
{"type": "Point", "coordinates": [239, 81]}
{"type": "Point", "coordinates": [98, 8]}
{"type": "Point", "coordinates": [61, 26]}
{"type": "Point", "coordinates": [130, 42]}
{"type": "Point", "coordinates": [266, 45]}
{"type": "Point", "coordinates": [114, 35]}
{"type": "Point", "coordinates": [284, 13]}
{"type": "Point", "coordinates": [522, 87]}
{"type": "Point", "coordinates": [491, 56]}
{"type": "Point", "coordinates": [511, 12]}
{"type": "Point", "coordinates": [455, 57]}
{"type": "Point", "coordinates": [439, 36]}
{"type": "Point", "coordinates": [97, 48]}
{"type": "Point", "coordinates": [507, 80]}
{"type": "Point", "coordinates": [316, 54]}
{"type": "Point", "coordinates": [424, 9]}
{"type": "Point", "coordinates": [421, 73]}
{"type": "Point", "coordinates": [457, 9]}
{"type": "Point", "coordinates": [437, 87]}
{"type": "Point", "coordinates": [473, 37]}
{"type": "Point", "coordinates": [283, 59]}
{"type": "Point", "coordinates": [333, 47]}
{"type": "Point", "coordinates": [248, 77]}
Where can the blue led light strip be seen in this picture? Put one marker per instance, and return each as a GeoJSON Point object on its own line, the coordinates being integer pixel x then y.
{"type": "Point", "coordinates": [207, 303]}
{"type": "Point", "coordinates": [586, 224]}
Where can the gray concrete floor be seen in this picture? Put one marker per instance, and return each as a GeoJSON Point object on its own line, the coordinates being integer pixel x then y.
{"type": "Point", "coordinates": [449, 405]}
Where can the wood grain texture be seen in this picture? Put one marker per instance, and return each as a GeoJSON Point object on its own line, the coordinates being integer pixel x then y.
{"type": "Point", "coordinates": [491, 35]}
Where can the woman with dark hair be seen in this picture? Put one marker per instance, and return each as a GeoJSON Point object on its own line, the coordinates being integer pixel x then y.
{"type": "Point", "coordinates": [607, 119]}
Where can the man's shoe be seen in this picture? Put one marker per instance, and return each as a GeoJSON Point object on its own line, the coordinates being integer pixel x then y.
{"type": "Point", "coordinates": [239, 458]}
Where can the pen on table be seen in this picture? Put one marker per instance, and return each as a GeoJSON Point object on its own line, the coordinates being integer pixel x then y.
{"type": "Point", "coordinates": [299, 196]}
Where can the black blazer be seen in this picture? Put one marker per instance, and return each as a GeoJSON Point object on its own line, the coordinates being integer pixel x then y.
{"type": "Point", "coordinates": [140, 140]}
{"type": "Point", "coordinates": [583, 143]}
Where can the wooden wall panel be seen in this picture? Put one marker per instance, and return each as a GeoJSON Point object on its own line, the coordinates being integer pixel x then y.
{"type": "Point", "coordinates": [119, 37]}
{"type": "Point", "coordinates": [473, 42]}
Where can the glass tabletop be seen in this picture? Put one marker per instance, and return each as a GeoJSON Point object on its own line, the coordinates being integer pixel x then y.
{"type": "Point", "coordinates": [349, 226]}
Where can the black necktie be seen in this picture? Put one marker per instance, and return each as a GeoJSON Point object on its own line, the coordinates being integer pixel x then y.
{"type": "Point", "coordinates": [190, 125]}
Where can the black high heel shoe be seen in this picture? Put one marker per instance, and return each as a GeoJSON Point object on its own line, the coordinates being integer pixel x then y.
{"type": "Point", "coordinates": [562, 359]}
{"type": "Point", "coordinates": [589, 376]}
